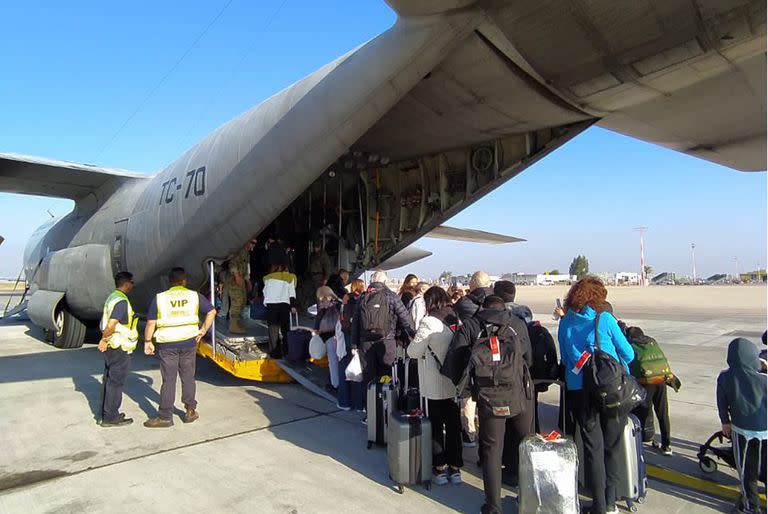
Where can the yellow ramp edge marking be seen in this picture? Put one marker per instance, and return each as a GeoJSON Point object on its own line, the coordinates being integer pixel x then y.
{"type": "Point", "coordinates": [707, 486]}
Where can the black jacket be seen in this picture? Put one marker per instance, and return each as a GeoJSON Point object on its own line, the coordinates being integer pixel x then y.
{"type": "Point", "coordinates": [398, 315]}
{"type": "Point", "coordinates": [457, 359]}
{"type": "Point", "coordinates": [468, 305]}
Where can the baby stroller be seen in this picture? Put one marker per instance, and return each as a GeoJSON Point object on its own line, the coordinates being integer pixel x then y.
{"type": "Point", "coordinates": [723, 453]}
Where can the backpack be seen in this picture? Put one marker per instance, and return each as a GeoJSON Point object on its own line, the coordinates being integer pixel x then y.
{"type": "Point", "coordinates": [650, 365]}
{"type": "Point", "coordinates": [501, 387]}
{"type": "Point", "coordinates": [611, 390]}
{"type": "Point", "coordinates": [375, 320]}
{"type": "Point", "coordinates": [545, 364]}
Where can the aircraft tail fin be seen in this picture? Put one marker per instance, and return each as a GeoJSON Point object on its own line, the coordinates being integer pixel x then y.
{"type": "Point", "coordinates": [61, 179]}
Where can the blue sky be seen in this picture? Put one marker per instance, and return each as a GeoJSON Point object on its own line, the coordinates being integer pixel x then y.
{"type": "Point", "coordinates": [72, 76]}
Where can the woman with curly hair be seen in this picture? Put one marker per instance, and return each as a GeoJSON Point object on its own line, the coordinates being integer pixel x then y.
{"type": "Point", "coordinates": [600, 433]}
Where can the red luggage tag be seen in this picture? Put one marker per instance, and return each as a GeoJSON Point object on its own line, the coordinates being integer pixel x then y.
{"type": "Point", "coordinates": [495, 352]}
{"type": "Point", "coordinates": [552, 436]}
{"type": "Point", "coordinates": [580, 363]}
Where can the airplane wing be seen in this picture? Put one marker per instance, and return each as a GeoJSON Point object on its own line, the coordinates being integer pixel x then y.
{"type": "Point", "coordinates": [62, 179]}
{"type": "Point", "coordinates": [471, 236]}
{"type": "Point", "coordinates": [411, 254]}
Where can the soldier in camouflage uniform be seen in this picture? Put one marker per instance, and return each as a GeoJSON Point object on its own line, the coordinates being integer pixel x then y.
{"type": "Point", "coordinates": [319, 265]}
{"type": "Point", "coordinates": [236, 286]}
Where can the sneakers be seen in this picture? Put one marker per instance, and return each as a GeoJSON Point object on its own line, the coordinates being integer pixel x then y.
{"type": "Point", "coordinates": [666, 450]}
{"type": "Point", "coordinates": [158, 423]}
{"type": "Point", "coordinates": [121, 421]}
{"type": "Point", "coordinates": [454, 475]}
{"type": "Point", "coordinates": [190, 416]}
{"type": "Point", "coordinates": [364, 421]}
{"type": "Point", "coordinates": [235, 327]}
{"type": "Point", "coordinates": [440, 477]}
{"type": "Point", "coordinates": [467, 440]}
{"type": "Point", "coordinates": [340, 407]}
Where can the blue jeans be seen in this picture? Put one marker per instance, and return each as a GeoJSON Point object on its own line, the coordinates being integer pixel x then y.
{"type": "Point", "coordinates": [350, 394]}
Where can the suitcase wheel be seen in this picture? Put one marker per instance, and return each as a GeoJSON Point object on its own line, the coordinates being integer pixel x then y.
{"type": "Point", "coordinates": [641, 499]}
{"type": "Point", "coordinates": [427, 485]}
{"type": "Point", "coordinates": [400, 489]}
{"type": "Point", "coordinates": [370, 445]}
{"type": "Point", "coordinates": [631, 506]}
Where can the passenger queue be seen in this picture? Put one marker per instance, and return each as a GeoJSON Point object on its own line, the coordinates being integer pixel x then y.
{"type": "Point", "coordinates": [462, 370]}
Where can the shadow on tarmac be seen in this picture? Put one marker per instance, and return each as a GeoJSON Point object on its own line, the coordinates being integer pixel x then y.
{"type": "Point", "coordinates": [341, 437]}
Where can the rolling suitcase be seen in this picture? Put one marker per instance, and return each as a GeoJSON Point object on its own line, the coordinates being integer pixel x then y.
{"type": "Point", "coordinates": [380, 399]}
{"type": "Point", "coordinates": [632, 478]}
{"type": "Point", "coordinates": [297, 341]}
{"type": "Point", "coordinates": [409, 448]}
{"type": "Point", "coordinates": [548, 476]}
{"type": "Point", "coordinates": [548, 471]}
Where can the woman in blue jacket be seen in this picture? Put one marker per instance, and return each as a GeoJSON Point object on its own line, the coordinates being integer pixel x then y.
{"type": "Point", "coordinates": [600, 434]}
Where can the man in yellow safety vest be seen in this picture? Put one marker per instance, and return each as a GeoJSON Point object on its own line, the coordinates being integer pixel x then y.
{"type": "Point", "coordinates": [118, 340]}
{"type": "Point", "coordinates": [173, 319]}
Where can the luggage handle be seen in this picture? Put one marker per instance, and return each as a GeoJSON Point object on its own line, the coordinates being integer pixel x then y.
{"type": "Point", "coordinates": [293, 318]}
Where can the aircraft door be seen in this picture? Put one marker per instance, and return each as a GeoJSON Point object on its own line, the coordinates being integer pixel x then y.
{"type": "Point", "coordinates": [118, 246]}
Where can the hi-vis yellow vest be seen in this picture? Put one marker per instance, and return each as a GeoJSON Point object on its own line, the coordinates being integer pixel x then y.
{"type": "Point", "coordinates": [177, 315]}
{"type": "Point", "coordinates": [125, 336]}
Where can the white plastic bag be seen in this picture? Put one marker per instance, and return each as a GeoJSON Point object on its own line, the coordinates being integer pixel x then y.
{"type": "Point", "coordinates": [354, 371]}
{"type": "Point", "coordinates": [341, 342]}
{"type": "Point", "coordinates": [316, 347]}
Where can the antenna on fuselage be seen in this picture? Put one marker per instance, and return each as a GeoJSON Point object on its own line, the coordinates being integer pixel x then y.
{"type": "Point", "coordinates": [50, 213]}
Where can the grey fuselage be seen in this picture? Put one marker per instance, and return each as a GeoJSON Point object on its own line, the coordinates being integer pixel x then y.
{"type": "Point", "coordinates": [447, 98]}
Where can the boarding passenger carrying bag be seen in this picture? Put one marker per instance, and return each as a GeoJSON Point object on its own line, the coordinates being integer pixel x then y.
{"type": "Point", "coordinates": [409, 447]}
{"type": "Point", "coordinates": [499, 379]}
{"type": "Point", "coordinates": [650, 365]}
{"type": "Point", "coordinates": [374, 315]}
{"type": "Point", "coordinates": [612, 391]}
{"type": "Point", "coordinates": [297, 341]}
{"type": "Point", "coordinates": [257, 309]}
{"type": "Point", "coordinates": [380, 399]}
{"type": "Point", "coordinates": [545, 363]}
{"type": "Point", "coordinates": [632, 478]}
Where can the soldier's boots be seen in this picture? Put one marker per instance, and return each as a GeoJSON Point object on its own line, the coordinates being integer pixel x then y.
{"type": "Point", "coordinates": [235, 327]}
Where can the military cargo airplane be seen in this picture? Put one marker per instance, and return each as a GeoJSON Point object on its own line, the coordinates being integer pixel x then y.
{"type": "Point", "coordinates": [385, 143]}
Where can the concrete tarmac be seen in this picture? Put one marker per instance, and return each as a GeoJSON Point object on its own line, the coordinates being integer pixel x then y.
{"type": "Point", "coordinates": [277, 448]}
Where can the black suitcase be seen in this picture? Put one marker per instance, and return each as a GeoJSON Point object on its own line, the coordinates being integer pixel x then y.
{"type": "Point", "coordinates": [297, 341]}
{"type": "Point", "coordinates": [379, 401]}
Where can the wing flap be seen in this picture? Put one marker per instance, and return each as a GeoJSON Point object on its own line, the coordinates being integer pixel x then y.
{"type": "Point", "coordinates": [62, 179]}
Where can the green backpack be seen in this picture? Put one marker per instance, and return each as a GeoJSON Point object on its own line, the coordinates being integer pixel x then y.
{"type": "Point", "coordinates": [650, 365]}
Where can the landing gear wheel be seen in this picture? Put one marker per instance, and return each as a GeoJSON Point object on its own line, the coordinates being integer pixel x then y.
{"type": "Point", "coordinates": [70, 331]}
{"type": "Point", "coordinates": [707, 465]}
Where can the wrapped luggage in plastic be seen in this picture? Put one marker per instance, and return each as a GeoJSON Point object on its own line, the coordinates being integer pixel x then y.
{"type": "Point", "coordinates": [548, 476]}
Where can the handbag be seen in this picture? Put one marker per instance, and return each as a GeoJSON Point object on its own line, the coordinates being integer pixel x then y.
{"type": "Point", "coordinates": [612, 390]}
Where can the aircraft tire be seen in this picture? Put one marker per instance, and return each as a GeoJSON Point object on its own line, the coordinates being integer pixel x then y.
{"type": "Point", "coordinates": [70, 331]}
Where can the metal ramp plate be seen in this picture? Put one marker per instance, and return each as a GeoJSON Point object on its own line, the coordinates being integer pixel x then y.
{"type": "Point", "coordinates": [312, 377]}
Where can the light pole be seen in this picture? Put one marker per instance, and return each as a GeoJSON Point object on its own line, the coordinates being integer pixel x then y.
{"type": "Point", "coordinates": [693, 260]}
{"type": "Point", "coordinates": [738, 277]}
{"type": "Point", "coordinates": [643, 278]}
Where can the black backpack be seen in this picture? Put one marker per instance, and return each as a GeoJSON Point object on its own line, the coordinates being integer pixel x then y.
{"type": "Point", "coordinates": [545, 365]}
{"type": "Point", "coordinates": [611, 390]}
{"type": "Point", "coordinates": [502, 387]}
{"type": "Point", "coordinates": [375, 320]}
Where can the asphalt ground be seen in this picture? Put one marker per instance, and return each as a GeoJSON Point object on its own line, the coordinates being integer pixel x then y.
{"type": "Point", "coordinates": [277, 448]}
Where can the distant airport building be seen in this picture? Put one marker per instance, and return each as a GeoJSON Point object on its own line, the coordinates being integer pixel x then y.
{"type": "Point", "coordinates": [539, 279]}
{"type": "Point", "coordinates": [753, 276]}
{"type": "Point", "coordinates": [662, 279]}
{"type": "Point", "coordinates": [626, 279]}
